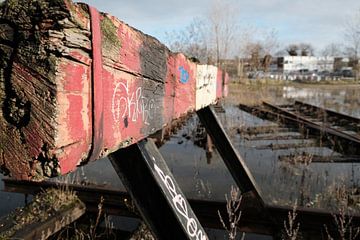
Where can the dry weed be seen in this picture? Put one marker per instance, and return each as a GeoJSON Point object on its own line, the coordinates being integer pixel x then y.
{"type": "Point", "coordinates": [234, 214]}
{"type": "Point", "coordinates": [345, 230]}
{"type": "Point", "coordinates": [142, 233]}
{"type": "Point", "coordinates": [291, 227]}
{"type": "Point", "coordinates": [302, 158]}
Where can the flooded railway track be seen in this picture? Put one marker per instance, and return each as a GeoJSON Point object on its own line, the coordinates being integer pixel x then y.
{"type": "Point", "coordinates": [311, 126]}
{"type": "Point", "coordinates": [330, 122]}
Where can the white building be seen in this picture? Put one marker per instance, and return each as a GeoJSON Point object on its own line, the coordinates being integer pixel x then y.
{"type": "Point", "coordinates": [305, 63]}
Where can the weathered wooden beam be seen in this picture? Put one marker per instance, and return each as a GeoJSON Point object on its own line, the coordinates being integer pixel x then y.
{"type": "Point", "coordinates": [76, 85]}
{"type": "Point", "coordinates": [155, 192]}
{"type": "Point", "coordinates": [43, 217]}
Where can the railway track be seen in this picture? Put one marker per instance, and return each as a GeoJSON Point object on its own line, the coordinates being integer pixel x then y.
{"type": "Point", "coordinates": [330, 121]}
{"type": "Point", "coordinates": [338, 131]}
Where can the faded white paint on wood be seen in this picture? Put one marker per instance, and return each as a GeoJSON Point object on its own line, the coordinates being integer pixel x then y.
{"type": "Point", "coordinates": [205, 85]}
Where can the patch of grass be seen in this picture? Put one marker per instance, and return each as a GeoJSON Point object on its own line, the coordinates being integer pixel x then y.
{"type": "Point", "coordinates": [250, 94]}
{"type": "Point", "coordinates": [142, 233]}
{"type": "Point", "coordinates": [302, 158]}
{"type": "Point", "coordinates": [338, 194]}
{"type": "Point", "coordinates": [340, 198]}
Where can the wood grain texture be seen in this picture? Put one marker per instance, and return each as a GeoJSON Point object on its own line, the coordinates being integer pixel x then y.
{"type": "Point", "coordinates": [44, 73]}
{"type": "Point", "coordinates": [48, 92]}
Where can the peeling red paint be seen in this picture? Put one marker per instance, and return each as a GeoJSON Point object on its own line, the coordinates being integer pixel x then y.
{"type": "Point", "coordinates": [129, 57]}
{"type": "Point", "coordinates": [69, 157]}
{"type": "Point", "coordinates": [73, 72]}
{"type": "Point", "coordinates": [184, 91]}
{"type": "Point", "coordinates": [73, 122]}
{"type": "Point", "coordinates": [76, 126]}
{"type": "Point", "coordinates": [76, 54]}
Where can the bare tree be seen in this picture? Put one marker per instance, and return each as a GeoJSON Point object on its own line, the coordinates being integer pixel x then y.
{"type": "Point", "coordinates": [306, 49]}
{"type": "Point", "coordinates": [246, 37]}
{"type": "Point", "coordinates": [212, 36]}
{"type": "Point", "coordinates": [292, 50]}
{"type": "Point", "coordinates": [224, 28]}
{"type": "Point", "coordinates": [332, 50]}
{"type": "Point", "coordinates": [192, 40]}
{"type": "Point", "coordinates": [270, 42]}
{"type": "Point", "coordinates": [352, 35]}
{"type": "Point", "coordinates": [352, 39]}
{"type": "Point", "coordinates": [259, 50]}
{"type": "Point", "coordinates": [245, 42]}
{"type": "Point", "coordinates": [301, 49]}
{"type": "Point", "coordinates": [256, 51]}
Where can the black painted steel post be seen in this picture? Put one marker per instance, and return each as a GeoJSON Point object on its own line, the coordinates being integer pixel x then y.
{"type": "Point", "coordinates": [155, 192]}
{"type": "Point", "coordinates": [232, 159]}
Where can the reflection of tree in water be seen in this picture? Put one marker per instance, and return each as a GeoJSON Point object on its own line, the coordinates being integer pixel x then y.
{"type": "Point", "coordinates": [202, 187]}
{"type": "Point", "coordinates": [200, 137]}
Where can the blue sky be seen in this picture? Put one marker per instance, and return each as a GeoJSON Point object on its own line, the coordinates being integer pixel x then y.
{"type": "Point", "coordinates": [318, 22]}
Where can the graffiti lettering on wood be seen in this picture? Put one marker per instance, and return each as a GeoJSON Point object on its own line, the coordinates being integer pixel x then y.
{"type": "Point", "coordinates": [205, 85]}
{"type": "Point", "coordinates": [132, 106]}
{"type": "Point", "coordinates": [184, 75]}
{"type": "Point", "coordinates": [181, 205]}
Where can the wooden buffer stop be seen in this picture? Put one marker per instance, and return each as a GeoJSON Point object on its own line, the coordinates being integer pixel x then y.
{"type": "Point", "coordinates": [77, 85]}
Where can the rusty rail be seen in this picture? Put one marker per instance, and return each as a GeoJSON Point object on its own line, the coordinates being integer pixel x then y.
{"type": "Point", "coordinates": [329, 113]}
{"type": "Point", "coordinates": [341, 141]}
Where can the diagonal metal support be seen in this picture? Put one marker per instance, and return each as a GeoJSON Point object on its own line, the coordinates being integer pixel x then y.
{"type": "Point", "coordinates": [232, 159]}
{"type": "Point", "coordinates": [155, 192]}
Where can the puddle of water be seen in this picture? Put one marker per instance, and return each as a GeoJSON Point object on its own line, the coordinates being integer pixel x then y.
{"type": "Point", "coordinates": [345, 99]}
{"type": "Point", "coordinates": [9, 201]}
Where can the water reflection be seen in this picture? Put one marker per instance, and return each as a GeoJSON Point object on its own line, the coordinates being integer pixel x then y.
{"type": "Point", "coordinates": [9, 201]}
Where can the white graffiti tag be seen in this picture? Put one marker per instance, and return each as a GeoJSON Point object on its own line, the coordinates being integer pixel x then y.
{"type": "Point", "coordinates": [181, 206]}
{"type": "Point", "coordinates": [131, 105]}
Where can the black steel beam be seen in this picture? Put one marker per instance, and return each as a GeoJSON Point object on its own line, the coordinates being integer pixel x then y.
{"type": "Point", "coordinates": [155, 192]}
{"type": "Point", "coordinates": [235, 164]}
